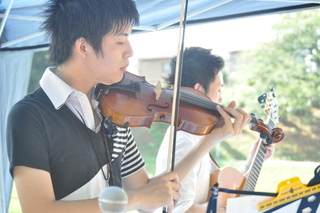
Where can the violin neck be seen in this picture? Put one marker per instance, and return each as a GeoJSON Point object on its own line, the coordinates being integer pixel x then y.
{"type": "Point", "coordinates": [208, 105]}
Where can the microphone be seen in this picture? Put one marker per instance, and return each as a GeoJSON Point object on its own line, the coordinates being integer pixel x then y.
{"type": "Point", "coordinates": [113, 199]}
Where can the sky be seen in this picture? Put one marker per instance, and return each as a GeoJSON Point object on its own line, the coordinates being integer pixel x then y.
{"type": "Point", "coordinates": [221, 37]}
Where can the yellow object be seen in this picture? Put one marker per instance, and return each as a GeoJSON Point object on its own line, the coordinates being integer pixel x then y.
{"type": "Point", "coordinates": [289, 190]}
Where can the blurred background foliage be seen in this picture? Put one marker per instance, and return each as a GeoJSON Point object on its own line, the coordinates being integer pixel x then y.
{"type": "Point", "coordinates": [290, 63]}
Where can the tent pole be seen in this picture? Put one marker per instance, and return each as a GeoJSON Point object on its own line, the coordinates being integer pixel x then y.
{"type": "Point", "coordinates": [27, 18]}
{"type": "Point", "coordinates": [174, 21]}
{"type": "Point", "coordinates": [4, 20]}
{"type": "Point", "coordinates": [34, 35]}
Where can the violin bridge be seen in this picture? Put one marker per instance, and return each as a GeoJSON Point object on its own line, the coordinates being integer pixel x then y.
{"type": "Point", "coordinates": [157, 90]}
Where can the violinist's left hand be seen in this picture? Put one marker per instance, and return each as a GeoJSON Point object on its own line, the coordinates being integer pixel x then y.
{"type": "Point", "coordinates": [226, 127]}
{"type": "Point", "coordinates": [270, 150]}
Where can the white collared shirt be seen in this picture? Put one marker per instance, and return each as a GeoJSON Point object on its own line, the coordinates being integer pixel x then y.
{"type": "Point", "coordinates": [61, 93]}
{"type": "Point", "coordinates": [195, 186]}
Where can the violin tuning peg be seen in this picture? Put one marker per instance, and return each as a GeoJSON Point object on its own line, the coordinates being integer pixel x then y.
{"type": "Point", "coordinates": [253, 115]}
{"type": "Point", "coordinates": [269, 141]}
{"type": "Point", "coordinates": [263, 136]}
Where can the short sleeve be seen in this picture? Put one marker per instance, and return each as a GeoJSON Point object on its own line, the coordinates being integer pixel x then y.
{"type": "Point", "coordinates": [132, 161]}
{"type": "Point", "coordinates": [26, 138]}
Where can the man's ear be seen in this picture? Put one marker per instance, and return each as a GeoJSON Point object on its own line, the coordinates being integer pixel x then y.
{"type": "Point", "coordinates": [198, 86]}
{"type": "Point", "coordinates": [81, 47]}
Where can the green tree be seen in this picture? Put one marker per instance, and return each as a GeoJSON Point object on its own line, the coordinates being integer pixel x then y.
{"type": "Point", "coordinates": [291, 63]}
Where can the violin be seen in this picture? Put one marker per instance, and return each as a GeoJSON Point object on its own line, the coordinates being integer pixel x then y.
{"type": "Point", "coordinates": [134, 102]}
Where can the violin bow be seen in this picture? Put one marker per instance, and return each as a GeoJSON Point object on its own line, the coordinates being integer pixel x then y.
{"type": "Point", "coordinates": [176, 87]}
{"type": "Point", "coordinates": [177, 82]}
{"type": "Point", "coordinates": [176, 91]}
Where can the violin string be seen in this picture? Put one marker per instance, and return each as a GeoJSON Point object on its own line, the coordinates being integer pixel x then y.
{"type": "Point", "coordinates": [193, 99]}
{"type": "Point", "coordinates": [199, 101]}
{"type": "Point", "coordinates": [206, 104]}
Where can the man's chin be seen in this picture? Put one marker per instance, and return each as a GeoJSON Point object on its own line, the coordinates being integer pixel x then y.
{"type": "Point", "coordinates": [121, 78]}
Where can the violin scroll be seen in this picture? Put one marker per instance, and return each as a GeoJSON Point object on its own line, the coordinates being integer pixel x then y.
{"type": "Point", "coordinates": [274, 135]}
{"type": "Point", "coordinates": [277, 134]}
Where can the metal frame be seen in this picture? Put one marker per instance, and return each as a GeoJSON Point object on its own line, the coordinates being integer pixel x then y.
{"type": "Point", "coordinates": [26, 18]}
{"type": "Point", "coordinates": [5, 17]}
{"type": "Point", "coordinates": [24, 38]}
{"type": "Point", "coordinates": [174, 21]}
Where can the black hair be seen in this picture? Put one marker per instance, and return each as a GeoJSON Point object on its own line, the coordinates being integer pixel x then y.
{"type": "Point", "coordinates": [68, 20]}
{"type": "Point", "coordinates": [199, 66]}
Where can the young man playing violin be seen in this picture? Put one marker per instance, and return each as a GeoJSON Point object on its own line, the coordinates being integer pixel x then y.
{"type": "Point", "coordinates": [202, 71]}
{"type": "Point", "coordinates": [61, 152]}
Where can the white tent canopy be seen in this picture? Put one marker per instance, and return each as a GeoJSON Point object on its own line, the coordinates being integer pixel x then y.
{"type": "Point", "coordinates": [22, 18]}
{"type": "Point", "coordinates": [20, 37]}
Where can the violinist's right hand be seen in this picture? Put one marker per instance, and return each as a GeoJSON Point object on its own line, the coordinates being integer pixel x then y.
{"type": "Point", "coordinates": [227, 127]}
{"type": "Point", "coordinates": [160, 191]}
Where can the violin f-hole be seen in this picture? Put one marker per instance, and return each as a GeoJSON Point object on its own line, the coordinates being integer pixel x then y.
{"type": "Point", "coordinates": [156, 105]}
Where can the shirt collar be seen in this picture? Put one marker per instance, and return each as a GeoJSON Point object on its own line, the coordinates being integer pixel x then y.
{"type": "Point", "coordinates": [55, 88]}
{"type": "Point", "coordinates": [60, 93]}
